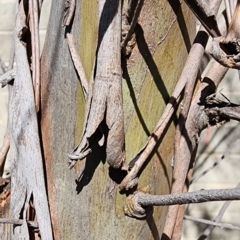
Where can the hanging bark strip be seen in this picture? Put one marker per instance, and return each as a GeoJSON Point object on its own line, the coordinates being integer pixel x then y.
{"type": "Point", "coordinates": [27, 168]}
{"type": "Point", "coordinates": [77, 64]}
{"type": "Point", "coordinates": [104, 101]}
{"type": "Point", "coordinates": [34, 10]}
{"type": "Point", "coordinates": [69, 9]}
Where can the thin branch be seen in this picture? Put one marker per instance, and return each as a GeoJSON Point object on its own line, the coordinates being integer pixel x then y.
{"type": "Point", "coordinates": [196, 178]}
{"type": "Point", "coordinates": [210, 228]}
{"type": "Point", "coordinates": [136, 164]}
{"type": "Point", "coordinates": [189, 143]}
{"type": "Point", "coordinates": [137, 203]}
{"type": "Point", "coordinates": [215, 224]}
{"type": "Point", "coordinates": [188, 146]}
{"type": "Point", "coordinates": [77, 63]}
{"type": "Point", "coordinates": [190, 197]}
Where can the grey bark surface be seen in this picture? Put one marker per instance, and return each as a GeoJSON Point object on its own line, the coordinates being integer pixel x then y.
{"type": "Point", "coordinates": [26, 159]}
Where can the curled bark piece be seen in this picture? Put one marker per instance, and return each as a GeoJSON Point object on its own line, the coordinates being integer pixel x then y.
{"type": "Point", "coordinates": [7, 77]}
{"type": "Point", "coordinates": [216, 220]}
{"type": "Point", "coordinates": [104, 102]}
{"type": "Point", "coordinates": [132, 208]}
{"type": "Point", "coordinates": [226, 52]}
{"type": "Point", "coordinates": [69, 8]}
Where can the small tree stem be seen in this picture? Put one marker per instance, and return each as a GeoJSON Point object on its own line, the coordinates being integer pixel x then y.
{"type": "Point", "coordinates": [212, 223]}
{"type": "Point", "coordinates": [191, 197]}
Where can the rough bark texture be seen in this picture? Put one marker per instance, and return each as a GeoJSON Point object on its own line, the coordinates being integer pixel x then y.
{"type": "Point", "coordinates": [93, 207]}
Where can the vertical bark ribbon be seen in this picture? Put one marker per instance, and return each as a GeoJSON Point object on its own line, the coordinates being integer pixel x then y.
{"type": "Point", "coordinates": [27, 176]}
{"type": "Point", "coordinates": [104, 102]}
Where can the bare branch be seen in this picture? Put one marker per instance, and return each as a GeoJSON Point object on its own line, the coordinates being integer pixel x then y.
{"type": "Point", "coordinates": [219, 112]}
{"type": "Point", "coordinates": [137, 203]}
{"type": "Point", "coordinates": [212, 223]}
{"type": "Point", "coordinates": [196, 178]}
{"type": "Point", "coordinates": [136, 164]}
{"type": "Point", "coordinates": [210, 228]}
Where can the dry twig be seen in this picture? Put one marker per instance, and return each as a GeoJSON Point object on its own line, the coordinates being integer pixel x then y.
{"type": "Point", "coordinates": [210, 228]}
{"type": "Point", "coordinates": [212, 223]}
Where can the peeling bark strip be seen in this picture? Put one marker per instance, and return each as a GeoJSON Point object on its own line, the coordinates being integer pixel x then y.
{"type": "Point", "coordinates": [231, 59]}
{"type": "Point", "coordinates": [27, 169]}
{"type": "Point", "coordinates": [77, 64]}
{"type": "Point", "coordinates": [105, 91]}
{"type": "Point", "coordinates": [69, 8]}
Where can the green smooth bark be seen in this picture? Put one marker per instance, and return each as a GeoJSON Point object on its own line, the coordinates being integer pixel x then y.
{"type": "Point", "coordinates": [93, 208]}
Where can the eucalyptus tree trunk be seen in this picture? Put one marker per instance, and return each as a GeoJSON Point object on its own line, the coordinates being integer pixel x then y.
{"type": "Point", "coordinates": [92, 208]}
